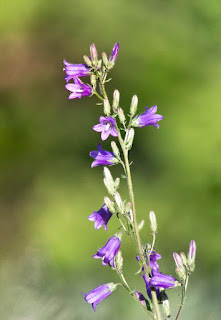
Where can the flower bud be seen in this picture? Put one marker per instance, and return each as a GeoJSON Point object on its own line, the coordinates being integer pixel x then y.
{"type": "Point", "coordinates": [107, 107]}
{"type": "Point", "coordinates": [87, 60]}
{"type": "Point", "coordinates": [181, 275]}
{"type": "Point", "coordinates": [140, 225]}
{"type": "Point", "coordinates": [115, 149]}
{"type": "Point", "coordinates": [109, 204]}
{"type": "Point", "coordinates": [133, 106]}
{"type": "Point", "coordinates": [104, 58]}
{"type": "Point", "coordinates": [108, 181]}
{"type": "Point", "coordinates": [117, 183]}
{"type": "Point", "coordinates": [93, 52]}
{"type": "Point", "coordinates": [121, 115]}
{"type": "Point", "coordinates": [116, 100]}
{"type": "Point", "coordinates": [131, 216]}
{"type": "Point", "coordinates": [129, 138]}
{"type": "Point", "coordinates": [119, 261]}
{"type": "Point", "coordinates": [119, 202]}
{"type": "Point", "coordinates": [153, 222]}
{"type": "Point", "coordinates": [93, 80]}
{"type": "Point", "coordinates": [166, 304]}
{"type": "Point", "coordinates": [192, 255]}
{"type": "Point", "coordinates": [179, 263]}
{"type": "Point", "coordinates": [183, 258]}
{"type": "Point", "coordinates": [128, 207]}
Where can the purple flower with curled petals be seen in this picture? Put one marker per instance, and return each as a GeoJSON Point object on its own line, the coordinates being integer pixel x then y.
{"type": "Point", "coordinates": [78, 89]}
{"type": "Point", "coordinates": [148, 118]}
{"type": "Point", "coordinates": [160, 280]}
{"type": "Point", "coordinates": [114, 53]}
{"type": "Point", "coordinates": [109, 251]}
{"type": "Point", "coordinates": [101, 217]}
{"type": "Point", "coordinates": [106, 127]}
{"type": "Point", "coordinates": [154, 256]}
{"type": "Point", "coordinates": [75, 70]}
{"type": "Point", "coordinates": [102, 157]}
{"type": "Point", "coordinates": [98, 294]}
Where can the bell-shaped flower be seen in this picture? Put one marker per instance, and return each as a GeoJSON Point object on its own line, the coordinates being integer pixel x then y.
{"type": "Point", "coordinates": [78, 89]}
{"type": "Point", "coordinates": [75, 70]}
{"type": "Point", "coordinates": [160, 280]}
{"type": "Point", "coordinates": [100, 293]}
{"type": "Point", "coordinates": [148, 118]}
{"type": "Point", "coordinates": [102, 157]}
{"type": "Point", "coordinates": [106, 127]}
{"type": "Point", "coordinates": [101, 217]}
{"type": "Point", "coordinates": [109, 251]}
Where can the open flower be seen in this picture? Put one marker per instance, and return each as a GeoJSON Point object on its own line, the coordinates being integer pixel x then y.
{"type": "Point", "coordinates": [98, 294]}
{"type": "Point", "coordinates": [154, 256]}
{"type": "Point", "coordinates": [101, 217]}
{"type": "Point", "coordinates": [78, 89]}
{"type": "Point", "coordinates": [160, 280]}
{"type": "Point", "coordinates": [75, 70]}
{"type": "Point", "coordinates": [148, 118]}
{"type": "Point", "coordinates": [109, 251]}
{"type": "Point", "coordinates": [102, 157]}
{"type": "Point", "coordinates": [106, 127]}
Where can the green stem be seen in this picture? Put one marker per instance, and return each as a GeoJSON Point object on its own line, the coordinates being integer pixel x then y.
{"type": "Point", "coordinates": [131, 194]}
{"type": "Point", "coordinates": [184, 289]}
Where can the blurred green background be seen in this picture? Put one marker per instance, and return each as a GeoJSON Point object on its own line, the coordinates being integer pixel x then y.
{"type": "Point", "coordinates": [170, 55]}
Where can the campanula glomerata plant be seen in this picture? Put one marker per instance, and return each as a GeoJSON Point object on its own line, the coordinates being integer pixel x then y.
{"type": "Point", "coordinates": [114, 124]}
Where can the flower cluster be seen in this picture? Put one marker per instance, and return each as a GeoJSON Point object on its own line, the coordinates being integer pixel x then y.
{"type": "Point", "coordinates": [115, 124]}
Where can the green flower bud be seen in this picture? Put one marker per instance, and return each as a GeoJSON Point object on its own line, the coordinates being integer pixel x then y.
{"type": "Point", "coordinates": [109, 204]}
{"type": "Point", "coordinates": [107, 107]}
{"type": "Point", "coordinates": [115, 149]}
{"type": "Point", "coordinates": [119, 261]}
{"type": "Point", "coordinates": [119, 202]}
{"type": "Point", "coordinates": [121, 115]}
{"type": "Point", "coordinates": [105, 58]}
{"type": "Point", "coordinates": [129, 138]}
{"type": "Point", "coordinates": [116, 100]}
{"type": "Point", "coordinates": [153, 222]}
{"type": "Point", "coordinates": [133, 106]}
{"type": "Point", "coordinates": [93, 52]}
{"type": "Point", "coordinates": [117, 183]}
{"type": "Point", "coordinates": [140, 225]}
{"type": "Point", "coordinates": [87, 61]}
{"type": "Point", "coordinates": [93, 79]}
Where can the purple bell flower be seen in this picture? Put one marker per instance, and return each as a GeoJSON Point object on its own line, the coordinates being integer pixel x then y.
{"type": "Point", "coordinates": [148, 118]}
{"type": "Point", "coordinates": [109, 251]}
{"type": "Point", "coordinates": [101, 217]}
{"type": "Point", "coordinates": [160, 280]}
{"type": "Point", "coordinates": [148, 288]}
{"type": "Point", "coordinates": [78, 89]}
{"type": "Point", "coordinates": [106, 127]}
{"type": "Point", "coordinates": [98, 294]}
{"type": "Point", "coordinates": [141, 298]}
{"type": "Point", "coordinates": [102, 157]}
{"type": "Point", "coordinates": [114, 53]}
{"type": "Point", "coordinates": [75, 70]}
{"type": "Point", "coordinates": [154, 256]}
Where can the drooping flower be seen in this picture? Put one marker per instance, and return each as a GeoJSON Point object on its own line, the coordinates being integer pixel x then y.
{"type": "Point", "coordinates": [114, 53]}
{"type": "Point", "coordinates": [78, 89]}
{"type": "Point", "coordinates": [75, 70]}
{"type": "Point", "coordinates": [102, 157]}
{"type": "Point", "coordinates": [154, 256]}
{"type": "Point", "coordinates": [109, 251]}
{"type": "Point", "coordinates": [148, 118]}
{"type": "Point", "coordinates": [160, 280]}
{"type": "Point", "coordinates": [106, 127]}
{"type": "Point", "coordinates": [100, 293]}
{"type": "Point", "coordinates": [101, 217]}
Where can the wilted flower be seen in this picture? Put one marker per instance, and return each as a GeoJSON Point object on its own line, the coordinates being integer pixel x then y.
{"type": "Point", "coordinates": [160, 280]}
{"type": "Point", "coordinates": [101, 217]}
{"type": "Point", "coordinates": [78, 89]}
{"type": "Point", "coordinates": [100, 293]}
{"type": "Point", "coordinates": [148, 118]}
{"type": "Point", "coordinates": [141, 298]}
{"type": "Point", "coordinates": [102, 157]}
{"type": "Point", "coordinates": [109, 251]}
{"type": "Point", "coordinates": [75, 70]}
{"type": "Point", "coordinates": [106, 127]}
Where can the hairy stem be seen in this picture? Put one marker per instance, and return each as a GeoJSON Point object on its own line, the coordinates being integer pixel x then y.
{"type": "Point", "coordinates": [184, 289]}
